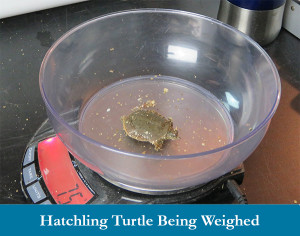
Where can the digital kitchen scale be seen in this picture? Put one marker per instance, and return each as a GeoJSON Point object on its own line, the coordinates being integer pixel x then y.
{"type": "Point", "coordinates": [51, 175]}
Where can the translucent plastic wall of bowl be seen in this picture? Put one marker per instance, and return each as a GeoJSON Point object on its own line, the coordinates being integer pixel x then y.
{"type": "Point", "coordinates": [226, 62]}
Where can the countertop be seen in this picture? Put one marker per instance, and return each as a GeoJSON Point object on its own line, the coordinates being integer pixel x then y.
{"type": "Point", "coordinates": [272, 172]}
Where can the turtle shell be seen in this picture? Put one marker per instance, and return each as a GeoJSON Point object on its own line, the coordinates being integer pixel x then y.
{"type": "Point", "coordinates": [149, 126]}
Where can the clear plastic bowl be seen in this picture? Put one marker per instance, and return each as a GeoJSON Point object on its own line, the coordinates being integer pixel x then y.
{"type": "Point", "coordinates": [96, 72]}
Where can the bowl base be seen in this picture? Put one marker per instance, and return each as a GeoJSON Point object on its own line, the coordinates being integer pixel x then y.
{"type": "Point", "coordinates": [104, 191]}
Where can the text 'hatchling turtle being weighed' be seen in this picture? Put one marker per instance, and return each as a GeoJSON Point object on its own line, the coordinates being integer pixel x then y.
{"type": "Point", "coordinates": [149, 126]}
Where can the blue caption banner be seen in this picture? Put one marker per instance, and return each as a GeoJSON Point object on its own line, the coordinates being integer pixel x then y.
{"type": "Point", "coordinates": [149, 219]}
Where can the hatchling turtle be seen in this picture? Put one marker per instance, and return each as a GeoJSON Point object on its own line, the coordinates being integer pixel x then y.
{"type": "Point", "coordinates": [149, 126]}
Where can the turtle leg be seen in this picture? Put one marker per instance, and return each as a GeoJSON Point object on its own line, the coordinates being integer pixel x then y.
{"type": "Point", "coordinates": [158, 144]}
{"type": "Point", "coordinates": [172, 134]}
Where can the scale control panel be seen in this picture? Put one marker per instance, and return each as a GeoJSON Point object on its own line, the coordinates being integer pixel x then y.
{"type": "Point", "coordinates": [51, 176]}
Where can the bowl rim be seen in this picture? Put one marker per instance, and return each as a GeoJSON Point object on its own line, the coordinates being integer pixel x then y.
{"type": "Point", "coordinates": [147, 156]}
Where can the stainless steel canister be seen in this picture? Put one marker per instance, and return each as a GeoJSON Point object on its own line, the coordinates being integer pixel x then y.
{"type": "Point", "coordinates": [260, 19]}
